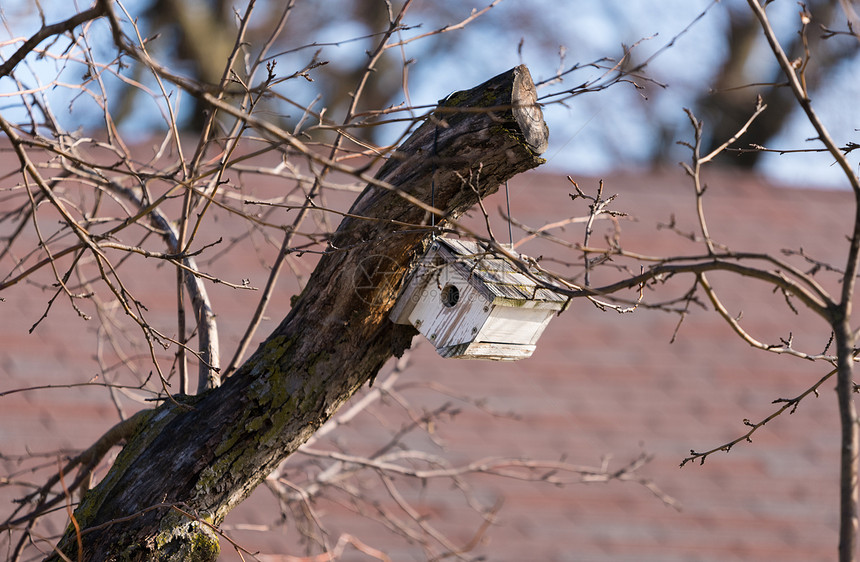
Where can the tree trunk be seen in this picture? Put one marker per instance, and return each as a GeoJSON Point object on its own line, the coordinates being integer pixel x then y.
{"type": "Point", "coordinates": [848, 463]}
{"type": "Point", "coordinates": [206, 456]}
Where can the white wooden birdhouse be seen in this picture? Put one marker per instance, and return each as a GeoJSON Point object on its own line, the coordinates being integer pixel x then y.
{"type": "Point", "coordinates": [473, 304]}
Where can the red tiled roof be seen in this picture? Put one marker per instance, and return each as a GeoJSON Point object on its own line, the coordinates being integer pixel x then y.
{"type": "Point", "coordinates": [600, 384]}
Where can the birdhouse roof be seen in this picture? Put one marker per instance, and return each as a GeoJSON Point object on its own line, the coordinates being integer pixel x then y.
{"type": "Point", "coordinates": [496, 274]}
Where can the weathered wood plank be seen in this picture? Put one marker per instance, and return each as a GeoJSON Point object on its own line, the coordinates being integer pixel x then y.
{"type": "Point", "coordinates": [484, 350]}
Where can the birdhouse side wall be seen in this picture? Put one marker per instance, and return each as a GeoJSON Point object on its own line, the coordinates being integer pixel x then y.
{"type": "Point", "coordinates": [514, 325]}
{"type": "Point", "coordinates": [446, 325]}
{"type": "Point", "coordinates": [426, 277]}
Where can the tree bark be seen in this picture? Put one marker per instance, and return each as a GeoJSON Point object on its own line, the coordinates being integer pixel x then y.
{"type": "Point", "coordinates": [205, 456]}
{"type": "Point", "coordinates": [848, 462]}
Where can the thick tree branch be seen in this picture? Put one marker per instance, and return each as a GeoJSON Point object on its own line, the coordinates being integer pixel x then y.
{"type": "Point", "coordinates": [219, 446]}
{"type": "Point", "coordinates": [207, 328]}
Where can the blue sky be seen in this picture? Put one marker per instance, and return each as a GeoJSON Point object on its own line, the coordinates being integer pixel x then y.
{"type": "Point", "coordinates": [593, 133]}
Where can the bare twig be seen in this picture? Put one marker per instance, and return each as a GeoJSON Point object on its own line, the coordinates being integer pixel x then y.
{"type": "Point", "coordinates": [788, 404]}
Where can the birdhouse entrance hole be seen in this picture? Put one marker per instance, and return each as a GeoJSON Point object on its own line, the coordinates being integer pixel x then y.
{"type": "Point", "coordinates": [450, 295]}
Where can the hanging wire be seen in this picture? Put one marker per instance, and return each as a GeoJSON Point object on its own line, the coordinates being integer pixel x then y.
{"type": "Point", "coordinates": [433, 181]}
{"type": "Point", "coordinates": [510, 228]}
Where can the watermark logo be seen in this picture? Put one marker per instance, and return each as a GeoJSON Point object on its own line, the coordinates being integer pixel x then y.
{"type": "Point", "coordinates": [375, 279]}
{"type": "Point", "coordinates": [376, 282]}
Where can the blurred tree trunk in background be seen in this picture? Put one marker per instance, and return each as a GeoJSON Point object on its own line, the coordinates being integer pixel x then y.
{"type": "Point", "coordinates": [728, 105]}
{"type": "Point", "coordinates": [203, 32]}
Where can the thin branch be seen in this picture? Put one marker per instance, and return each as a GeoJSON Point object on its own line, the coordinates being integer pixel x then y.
{"type": "Point", "coordinates": [450, 27]}
{"type": "Point", "coordinates": [87, 460]}
{"type": "Point", "coordinates": [783, 348]}
{"type": "Point", "coordinates": [46, 31]}
{"type": "Point", "coordinates": [658, 272]}
{"type": "Point", "coordinates": [802, 98]}
{"type": "Point", "coordinates": [788, 404]}
{"type": "Point", "coordinates": [840, 320]}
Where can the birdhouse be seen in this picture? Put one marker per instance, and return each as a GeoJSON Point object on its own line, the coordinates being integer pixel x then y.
{"type": "Point", "coordinates": [473, 304]}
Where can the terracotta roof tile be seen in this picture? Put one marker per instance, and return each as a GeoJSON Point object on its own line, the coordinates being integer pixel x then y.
{"type": "Point", "coordinates": [599, 384]}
